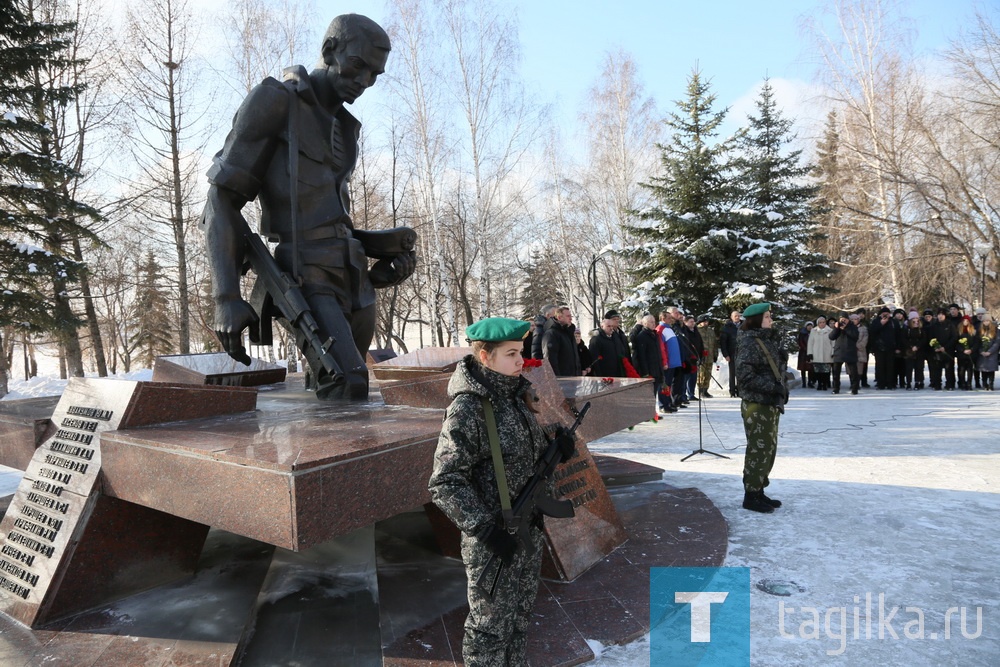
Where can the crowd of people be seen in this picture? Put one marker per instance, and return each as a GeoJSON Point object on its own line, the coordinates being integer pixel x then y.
{"type": "Point", "coordinates": [956, 350]}
{"type": "Point", "coordinates": [677, 350]}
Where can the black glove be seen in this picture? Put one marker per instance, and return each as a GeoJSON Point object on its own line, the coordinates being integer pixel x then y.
{"type": "Point", "coordinates": [566, 443]}
{"type": "Point", "coordinates": [499, 541]}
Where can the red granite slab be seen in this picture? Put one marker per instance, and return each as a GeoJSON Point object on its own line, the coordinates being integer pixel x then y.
{"type": "Point", "coordinates": [421, 392]}
{"type": "Point", "coordinates": [216, 368]}
{"type": "Point", "coordinates": [313, 471]}
{"type": "Point", "coordinates": [422, 362]}
{"type": "Point", "coordinates": [615, 404]}
{"type": "Point", "coordinates": [595, 530]}
{"type": "Point", "coordinates": [24, 425]}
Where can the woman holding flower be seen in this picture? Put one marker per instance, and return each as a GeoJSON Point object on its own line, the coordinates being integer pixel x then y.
{"type": "Point", "coordinates": [989, 348]}
{"type": "Point", "coordinates": [966, 349]}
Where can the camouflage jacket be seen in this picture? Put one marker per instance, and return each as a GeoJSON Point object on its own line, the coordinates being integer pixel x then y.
{"type": "Point", "coordinates": [754, 376]}
{"type": "Point", "coordinates": [463, 483]}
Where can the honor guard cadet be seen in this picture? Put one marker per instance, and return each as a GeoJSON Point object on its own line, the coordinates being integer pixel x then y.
{"type": "Point", "coordinates": [474, 481]}
{"type": "Point", "coordinates": [760, 374]}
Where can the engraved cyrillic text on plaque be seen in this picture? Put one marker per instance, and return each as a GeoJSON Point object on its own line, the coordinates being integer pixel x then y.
{"type": "Point", "coordinates": [53, 494]}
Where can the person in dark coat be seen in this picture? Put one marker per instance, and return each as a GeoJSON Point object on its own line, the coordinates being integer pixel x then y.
{"type": "Point", "coordinates": [616, 319]}
{"type": "Point", "coordinates": [542, 323]}
{"type": "Point", "coordinates": [727, 343]}
{"type": "Point", "coordinates": [609, 349]}
{"type": "Point", "coordinates": [845, 351]}
{"type": "Point", "coordinates": [885, 342]}
{"type": "Point", "coordinates": [989, 350]}
{"type": "Point", "coordinates": [966, 351]}
{"type": "Point", "coordinates": [693, 351]}
{"type": "Point", "coordinates": [941, 339]}
{"type": "Point", "coordinates": [586, 359]}
{"type": "Point", "coordinates": [804, 365]}
{"type": "Point", "coordinates": [559, 345]}
{"type": "Point", "coordinates": [913, 351]}
{"type": "Point", "coordinates": [646, 355]}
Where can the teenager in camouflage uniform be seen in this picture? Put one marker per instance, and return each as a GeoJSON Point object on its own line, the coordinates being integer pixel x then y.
{"type": "Point", "coordinates": [763, 399]}
{"type": "Point", "coordinates": [464, 485]}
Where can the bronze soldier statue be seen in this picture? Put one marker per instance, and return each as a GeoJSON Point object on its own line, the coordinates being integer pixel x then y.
{"type": "Point", "coordinates": [293, 147]}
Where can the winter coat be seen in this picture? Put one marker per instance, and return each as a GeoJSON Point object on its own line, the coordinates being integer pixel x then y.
{"type": "Point", "coordinates": [727, 339]}
{"type": "Point", "coordinates": [991, 347]}
{"type": "Point", "coordinates": [862, 343]}
{"type": "Point", "coordinates": [884, 337]}
{"type": "Point", "coordinates": [463, 482]}
{"type": "Point", "coordinates": [915, 338]}
{"type": "Point", "coordinates": [754, 376]}
{"type": "Point", "coordinates": [845, 344]}
{"type": "Point", "coordinates": [692, 347]}
{"type": "Point", "coordinates": [542, 324]}
{"type": "Point", "coordinates": [646, 354]}
{"type": "Point", "coordinates": [820, 347]}
{"type": "Point", "coordinates": [802, 340]}
{"type": "Point", "coordinates": [607, 353]}
{"type": "Point", "coordinates": [559, 347]}
{"type": "Point", "coordinates": [946, 335]}
{"type": "Point", "coordinates": [971, 343]}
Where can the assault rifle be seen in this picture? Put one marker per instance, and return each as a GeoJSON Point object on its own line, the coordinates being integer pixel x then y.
{"type": "Point", "coordinates": [532, 497]}
{"type": "Point", "coordinates": [275, 290]}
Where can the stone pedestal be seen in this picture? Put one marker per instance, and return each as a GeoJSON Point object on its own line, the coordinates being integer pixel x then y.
{"type": "Point", "coordinates": [216, 368]}
{"type": "Point", "coordinates": [63, 545]}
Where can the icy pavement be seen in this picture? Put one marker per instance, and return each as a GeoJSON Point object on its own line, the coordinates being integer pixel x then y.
{"type": "Point", "coordinates": [889, 496]}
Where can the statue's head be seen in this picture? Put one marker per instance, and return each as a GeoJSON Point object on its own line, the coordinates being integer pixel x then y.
{"type": "Point", "coordinates": [355, 50]}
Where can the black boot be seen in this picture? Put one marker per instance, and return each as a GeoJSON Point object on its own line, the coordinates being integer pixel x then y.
{"type": "Point", "coordinates": [754, 501]}
{"type": "Point", "coordinates": [773, 502]}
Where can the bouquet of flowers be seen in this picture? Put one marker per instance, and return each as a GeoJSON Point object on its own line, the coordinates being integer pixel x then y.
{"type": "Point", "coordinates": [942, 355]}
{"type": "Point", "coordinates": [964, 342]}
{"type": "Point", "coordinates": [934, 344]}
{"type": "Point", "coordinates": [986, 341]}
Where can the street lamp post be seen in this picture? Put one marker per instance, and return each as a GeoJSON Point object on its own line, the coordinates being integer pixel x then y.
{"type": "Point", "coordinates": [592, 280]}
{"type": "Point", "coordinates": [983, 250]}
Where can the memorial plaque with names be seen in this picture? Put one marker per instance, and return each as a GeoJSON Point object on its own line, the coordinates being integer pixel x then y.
{"type": "Point", "coordinates": [596, 530]}
{"type": "Point", "coordinates": [47, 519]}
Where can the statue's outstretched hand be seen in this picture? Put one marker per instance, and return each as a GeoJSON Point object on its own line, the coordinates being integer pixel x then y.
{"type": "Point", "coordinates": [386, 273]}
{"type": "Point", "coordinates": [232, 317]}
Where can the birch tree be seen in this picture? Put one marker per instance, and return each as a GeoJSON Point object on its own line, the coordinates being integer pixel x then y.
{"type": "Point", "coordinates": [163, 74]}
{"type": "Point", "coordinates": [413, 74]}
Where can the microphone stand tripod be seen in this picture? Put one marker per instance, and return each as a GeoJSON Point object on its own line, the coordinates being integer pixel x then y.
{"type": "Point", "coordinates": [701, 449]}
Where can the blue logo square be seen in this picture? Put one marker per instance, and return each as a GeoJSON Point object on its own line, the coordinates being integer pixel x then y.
{"type": "Point", "coordinates": [699, 616]}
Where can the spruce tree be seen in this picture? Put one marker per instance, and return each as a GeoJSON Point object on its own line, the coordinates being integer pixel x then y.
{"type": "Point", "coordinates": [38, 219]}
{"type": "Point", "coordinates": [153, 324]}
{"type": "Point", "coordinates": [683, 255]}
{"type": "Point", "coordinates": [540, 285]}
{"type": "Point", "coordinates": [777, 218]}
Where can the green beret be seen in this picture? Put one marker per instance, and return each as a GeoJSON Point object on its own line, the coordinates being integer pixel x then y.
{"type": "Point", "coordinates": [757, 309]}
{"type": "Point", "coordinates": [497, 330]}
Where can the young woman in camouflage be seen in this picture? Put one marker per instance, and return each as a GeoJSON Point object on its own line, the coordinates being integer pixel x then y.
{"type": "Point", "coordinates": [464, 485]}
{"type": "Point", "coordinates": [763, 398]}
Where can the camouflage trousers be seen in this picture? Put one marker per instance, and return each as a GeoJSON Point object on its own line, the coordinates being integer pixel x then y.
{"type": "Point", "coordinates": [705, 374]}
{"type": "Point", "coordinates": [760, 422]}
{"type": "Point", "coordinates": [496, 632]}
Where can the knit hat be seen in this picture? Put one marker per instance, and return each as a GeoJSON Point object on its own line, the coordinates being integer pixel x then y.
{"type": "Point", "coordinates": [612, 314]}
{"type": "Point", "coordinates": [913, 314]}
{"type": "Point", "coordinates": [928, 311]}
{"type": "Point", "coordinates": [885, 309]}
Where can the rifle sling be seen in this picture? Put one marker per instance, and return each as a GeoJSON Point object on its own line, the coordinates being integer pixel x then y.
{"type": "Point", "coordinates": [498, 467]}
{"type": "Point", "coordinates": [770, 361]}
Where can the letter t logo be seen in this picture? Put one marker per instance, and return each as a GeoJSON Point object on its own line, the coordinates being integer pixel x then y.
{"type": "Point", "coordinates": [701, 611]}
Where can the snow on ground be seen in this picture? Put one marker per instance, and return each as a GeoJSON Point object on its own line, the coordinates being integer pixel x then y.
{"type": "Point", "coordinates": [891, 493]}
{"type": "Point", "coordinates": [52, 386]}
